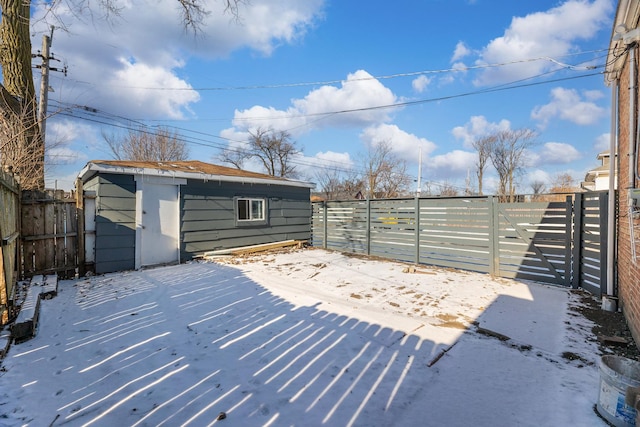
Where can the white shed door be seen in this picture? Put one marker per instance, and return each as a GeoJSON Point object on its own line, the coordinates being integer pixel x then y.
{"type": "Point", "coordinates": [159, 224]}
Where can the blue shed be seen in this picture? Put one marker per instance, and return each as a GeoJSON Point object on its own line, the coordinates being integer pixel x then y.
{"type": "Point", "coordinates": [140, 214]}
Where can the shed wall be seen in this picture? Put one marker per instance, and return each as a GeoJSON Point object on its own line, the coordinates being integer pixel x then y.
{"type": "Point", "coordinates": [208, 216]}
{"type": "Point", "coordinates": [115, 221]}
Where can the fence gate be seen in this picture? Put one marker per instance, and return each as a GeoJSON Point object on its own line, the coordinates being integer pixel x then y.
{"type": "Point", "coordinates": [590, 234]}
{"type": "Point", "coordinates": [49, 234]}
{"type": "Point", "coordinates": [534, 241]}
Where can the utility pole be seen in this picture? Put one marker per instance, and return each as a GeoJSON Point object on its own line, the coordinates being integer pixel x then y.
{"type": "Point", "coordinates": [419, 187]}
{"type": "Point", "coordinates": [44, 85]}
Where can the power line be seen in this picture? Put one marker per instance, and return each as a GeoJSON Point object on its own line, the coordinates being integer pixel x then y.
{"type": "Point", "coordinates": [99, 117]}
{"type": "Point", "coordinates": [555, 61]}
{"type": "Point", "coordinates": [422, 101]}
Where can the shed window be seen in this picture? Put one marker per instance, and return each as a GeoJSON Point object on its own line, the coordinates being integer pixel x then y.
{"type": "Point", "coordinates": [250, 209]}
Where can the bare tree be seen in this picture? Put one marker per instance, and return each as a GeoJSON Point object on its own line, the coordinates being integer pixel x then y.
{"type": "Point", "coordinates": [162, 145]}
{"type": "Point", "coordinates": [483, 146]}
{"type": "Point", "coordinates": [384, 173]}
{"type": "Point", "coordinates": [17, 153]}
{"type": "Point", "coordinates": [337, 185]}
{"type": "Point", "coordinates": [508, 158]}
{"type": "Point", "coordinates": [563, 183]}
{"type": "Point", "coordinates": [328, 180]}
{"type": "Point", "coordinates": [538, 188]}
{"type": "Point", "coordinates": [275, 150]}
{"type": "Point", "coordinates": [448, 190]}
{"type": "Point", "coordinates": [235, 155]}
{"type": "Point", "coordinates": [17, 91]}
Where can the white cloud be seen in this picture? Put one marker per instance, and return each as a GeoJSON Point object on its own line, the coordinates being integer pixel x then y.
{"type": "Point", "coordinates": [420, 83]}
{"type": "Point", "coordinates": [268, 23]}
{"type": "Point", "coordinates": [460, 66]}
{"type": "Point", "coordinates": [476, 127]}
{"type": "Point", "coordinates": [460, 52]}
{"type": "Point", "coordinates": [559, 153]}
{"type": "Point", "coordinates": [567, 104]}
{"type": "Point", "coordinates": [65, 131]}
{"type": "Point", "coordinates": [269, 117]}
{"type": "Point", "coordinates": [357, 94]}
{"type": "Point", "coordinates": [68, 142]}
{"type": "Point", "coordinates": [332, 159]}
{"type": "Point", "coordinates": [112, 64]}
{"type": "Point", "coordinates": [405, 145]}
{"type": "Point", "coordinates": [552, 33]}
{"type": "Point", "coordinates": [538, 175]}
{"type": "Point", "coordinates": [593, 95]}
{"type": "Point", "coordinates": [454, 164]}
{"type": "Point", "coordinates": [138, 77]}
{"type": "Point", "coordinates": [353, 100]}
{"type": "Point", "coordinates": [603, 142]}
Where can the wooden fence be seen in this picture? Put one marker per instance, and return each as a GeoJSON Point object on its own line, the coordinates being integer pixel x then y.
{"type": "Point", "coordinates": [49, 234]}
{"type": "Point", "coordinates": [9, 233]}
{"type": "Point", "coordinates": [554, 242]}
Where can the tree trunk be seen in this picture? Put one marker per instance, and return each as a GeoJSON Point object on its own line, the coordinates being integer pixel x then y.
{"type": "Point", "coordinates": [15, 59]}
{"type": "Point", "coordinates": [15, 52]}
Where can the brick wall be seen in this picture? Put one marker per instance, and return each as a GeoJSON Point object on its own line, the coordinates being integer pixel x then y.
{"type": "Point", "coordinates": [628, 272]}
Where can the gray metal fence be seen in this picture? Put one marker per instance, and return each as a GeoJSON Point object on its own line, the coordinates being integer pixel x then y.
{"type": "Point", "coordinates": [559, 242]}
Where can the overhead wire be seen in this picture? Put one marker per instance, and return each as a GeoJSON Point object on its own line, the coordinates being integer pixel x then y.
{"type": "Point", "coordinates": [340, 166]}
{"type": "Point", "coordinates": [377, 77]}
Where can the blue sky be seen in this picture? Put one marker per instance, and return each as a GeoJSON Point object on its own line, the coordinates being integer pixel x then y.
{"type": "Point", "coordinates": [445, 71]}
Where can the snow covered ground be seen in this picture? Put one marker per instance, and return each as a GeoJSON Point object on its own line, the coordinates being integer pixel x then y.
{"type": "Point", "coordinates": [306, 338]}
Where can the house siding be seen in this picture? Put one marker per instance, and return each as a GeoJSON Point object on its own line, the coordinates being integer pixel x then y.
{"type": "Point", "coordinates": [628, 270]}
{"type": "Point", "coordinates": [115, 222]}
{"type": "Point", "coordinates": [208, 216]}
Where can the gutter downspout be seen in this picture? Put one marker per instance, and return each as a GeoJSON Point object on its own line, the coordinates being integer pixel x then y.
{"type": "Point", "coordinates": [632, 113]}
{"type": "Point", "coordinates": [611, 220]}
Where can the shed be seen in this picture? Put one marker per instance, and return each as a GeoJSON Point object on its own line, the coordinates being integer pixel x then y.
{"type": "Point", "coordinates": [140, 214]}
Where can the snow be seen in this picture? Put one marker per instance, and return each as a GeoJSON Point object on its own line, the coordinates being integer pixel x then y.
{"type": "Point", "coordinates": [304, 338]}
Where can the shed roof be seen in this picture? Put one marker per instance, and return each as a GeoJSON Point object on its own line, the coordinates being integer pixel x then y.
{"type": "Point", "coordinates": [192, 169]}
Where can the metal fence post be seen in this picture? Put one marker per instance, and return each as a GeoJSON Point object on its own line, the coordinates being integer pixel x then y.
{"type": "Point", "coordinates": [368, 222]}
{"type": "Point", "coordinates": [416, 221]}
{"type": "Point", "coordinates": [494, 236]}
{"type": "Point", "coordinates": [324, 224]}
{"type": "Point", "coordinates": [577, 241]}
{"type": "Point", "coordinates": [568, 241]}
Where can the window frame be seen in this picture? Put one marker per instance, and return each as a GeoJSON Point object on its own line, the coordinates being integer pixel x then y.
{"type": "Point", "coordinates": [251, 221]}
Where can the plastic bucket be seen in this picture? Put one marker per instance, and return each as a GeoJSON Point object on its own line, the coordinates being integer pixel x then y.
{"type": "Point", "coordinates": [616, 375]}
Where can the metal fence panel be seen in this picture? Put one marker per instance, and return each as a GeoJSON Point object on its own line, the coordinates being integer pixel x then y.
{"type": "Point", "coordinates": [456, 233]}
{"type": "Point", "coordinates": [546, 241]}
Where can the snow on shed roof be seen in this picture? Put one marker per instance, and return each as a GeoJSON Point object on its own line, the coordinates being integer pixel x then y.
{"type": "Point", "coordinates": [192, 169]}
